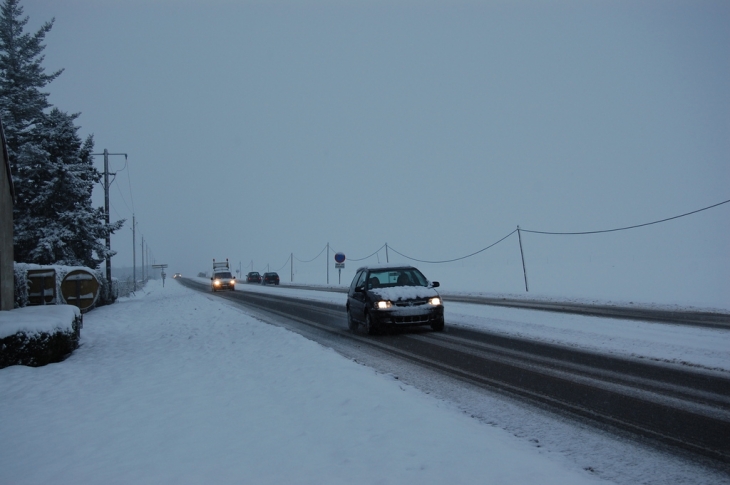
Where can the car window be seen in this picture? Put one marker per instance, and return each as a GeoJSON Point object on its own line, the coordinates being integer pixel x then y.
{"type": "Point", "coordinates": [224, 274]}
{"type": "Point", "coordinates": [361, 279]}
{"type": "Point", "coordinates": [416, 277]}
{"type": "Point", "coordinates": [396, 277]}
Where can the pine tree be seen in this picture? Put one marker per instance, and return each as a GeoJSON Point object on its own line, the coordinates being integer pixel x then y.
{"type": "Point", "coordinates": [57, 223]}
{"type": "Point", "coordinates": [53, 173]}
{"type": "Point", "coordinates": [22, 76]}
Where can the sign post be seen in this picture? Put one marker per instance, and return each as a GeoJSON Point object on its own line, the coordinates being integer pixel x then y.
{"type": "Point", "coordinates": [339, 264]}
{"type": "Point", "coordinates": [162, 273]}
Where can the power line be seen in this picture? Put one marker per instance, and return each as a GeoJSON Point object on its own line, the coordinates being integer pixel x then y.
{"type": "Point", "coordinates": [129, 183]}
{"type": "Point", "coordinates": [123, 200]}
{"type": "Point", "coordinates": [455, 259]}
{"type": "Point", "coordinates": [386, 246]}
{"type": "Point", "coordinates": [283, 265]}
{"type": "Point", "coordinates": [310, 260]}
{"type": "Point", "coordinates": [627, 227]}
{"type": "Point", "coordinates": [366, 257]}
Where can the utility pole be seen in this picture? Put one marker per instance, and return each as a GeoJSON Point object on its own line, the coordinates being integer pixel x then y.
{"type": "Point", "coordinates": [106, 210]}
{"type": "Point", "coordinates": [291, 267]}
{"type": "Point", "coordinates": [143, 260]}
{"type": "Point", "coordinates": [134, 254]}
{"type": "Point", "coordinates": [522, 253]}
{"type": "Point", "coordinates": [327, 260]}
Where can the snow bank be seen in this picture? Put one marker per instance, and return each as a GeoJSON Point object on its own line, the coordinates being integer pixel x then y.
{"type": "Point", "coordinates": [34, 320]}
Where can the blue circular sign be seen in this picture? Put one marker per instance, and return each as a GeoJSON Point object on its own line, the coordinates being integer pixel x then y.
{"type": "Point", "coordinates": [339, 257]}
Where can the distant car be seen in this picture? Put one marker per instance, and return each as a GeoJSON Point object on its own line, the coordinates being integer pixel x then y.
{"type": "Point", "coordinates": [222, 280]}
{"type": "Point", "coordinates": [177, 275]}
{"type": "Point", "coordinates": [270, 279]}
{"type": "Point", "coordinates": [253, 277]}
{"type": "Point", "coordinates": [386, 296]}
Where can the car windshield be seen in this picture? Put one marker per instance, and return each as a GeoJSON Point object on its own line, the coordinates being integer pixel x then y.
{"type": "Point", "coordinates": [253, 275]}
{"type": "Point", "coordinates": [224, 274]}
{"type": "Point", "coordinates": [396, 277]}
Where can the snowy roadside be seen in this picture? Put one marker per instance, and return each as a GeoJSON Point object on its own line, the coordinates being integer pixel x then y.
{"type": "Point", "coordinates": [174, 386]}
{"type": "Point", "coordinates": [676, 344]}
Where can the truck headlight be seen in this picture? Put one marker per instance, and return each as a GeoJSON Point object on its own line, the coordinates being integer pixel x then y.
{"type": "Point", "coordinates": [435, 301]}
{"type": "Point", "coordinates": [217, 282]}
{"type": "Point", "coordinates": [383, 304]}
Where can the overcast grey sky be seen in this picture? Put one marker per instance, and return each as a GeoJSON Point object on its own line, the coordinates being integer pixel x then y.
{"type": "Point", "coordinates": [258, 129]}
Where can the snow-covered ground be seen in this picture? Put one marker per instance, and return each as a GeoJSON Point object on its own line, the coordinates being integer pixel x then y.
{"type": "Point", "coordinates": [177, 386]}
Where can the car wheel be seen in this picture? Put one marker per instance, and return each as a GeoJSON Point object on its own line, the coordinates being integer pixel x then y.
{"type": "Point", "coordinates": [351, 323]}
{"type": "Point", "coordinates": [438, 325]}
{"type": "Point", "coordinates": [370, 326]}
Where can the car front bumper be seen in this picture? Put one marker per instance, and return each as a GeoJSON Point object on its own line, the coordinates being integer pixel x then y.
{"type": "Point", "coordinates": [224, 285]}
{"type": "Point", "coordinates": [408, 316]}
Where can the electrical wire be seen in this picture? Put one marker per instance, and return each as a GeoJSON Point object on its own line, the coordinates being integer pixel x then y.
{"type": "Point", "coordinates": [310, 260]}
{"type": "Point", "coordinates": [129, 183]}
{"type": "Point", "coordinates": [124, 200]}
{"type": "Point", "coordinates": [366, 257]}
{"type": "Point", "coordinates": [283, 265]}
{"type": "Point", "coordinates": [627, 227]}
{"type": "Point", "coordinates": [455, 259]}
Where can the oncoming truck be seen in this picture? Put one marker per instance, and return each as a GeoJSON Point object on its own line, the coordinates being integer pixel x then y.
{"type": "Point", "coordinates": [222, 278]}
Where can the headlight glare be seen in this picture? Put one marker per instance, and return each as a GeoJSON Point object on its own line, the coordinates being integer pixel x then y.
{"type": "Point", "coordinates": [435, 301]}
{"type": "Point", "coordinates": [383, 304]}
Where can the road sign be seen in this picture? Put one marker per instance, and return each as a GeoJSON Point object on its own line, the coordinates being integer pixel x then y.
{"type": "Point", "coordinates": [162, 267]}
{"type": "Point", "coordinates": [339, 257]}
{"type": "Point", "coordinates": [340, 265]}
{"type": "Point", "coordinates": [80, 288]}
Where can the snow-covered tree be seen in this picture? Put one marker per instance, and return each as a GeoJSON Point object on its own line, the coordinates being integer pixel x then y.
{"type": "Point", "coordinates": [52, 168]}
{"type": "Point", "coordinates": [55, 221]}
{"type": "Point", "coordinates": [22, 76]}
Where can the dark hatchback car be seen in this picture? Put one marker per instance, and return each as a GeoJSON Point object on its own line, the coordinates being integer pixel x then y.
{"type": "Point", "coordinates": [270, 279]}
{"type": "Point", "coordinates": [253, 277]}
{"type": "Point", "coordinates": [393, 296]}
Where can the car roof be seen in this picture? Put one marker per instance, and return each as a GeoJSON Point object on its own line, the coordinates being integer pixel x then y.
{"type": "Point", "coordinates": [386, 266]}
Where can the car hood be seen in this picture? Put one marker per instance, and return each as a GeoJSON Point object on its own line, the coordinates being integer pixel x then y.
{"type": "Point", "coordinates": [397, 293]}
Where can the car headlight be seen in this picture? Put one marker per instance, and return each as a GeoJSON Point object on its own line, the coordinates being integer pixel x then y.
{"type": "Point", "coordinates": [217, 282]}
{"type": "Point", "coordinates": [435, 301]}
{"type": "Point", "coordinates": [383, 304]}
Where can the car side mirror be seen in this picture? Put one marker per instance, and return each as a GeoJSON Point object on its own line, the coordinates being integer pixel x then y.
{"type": "Point", "coordinates": [435, 284]}
{"type": "Point", "coordinates": [211, 278]}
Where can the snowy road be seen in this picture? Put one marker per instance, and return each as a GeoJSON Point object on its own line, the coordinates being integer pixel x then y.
{"type": "Point", "coordinates": [174, 386]}
{"type": "Point", "coordinates": [661, 401]}
{"type": "Point", "coordinates": [707, 348]}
